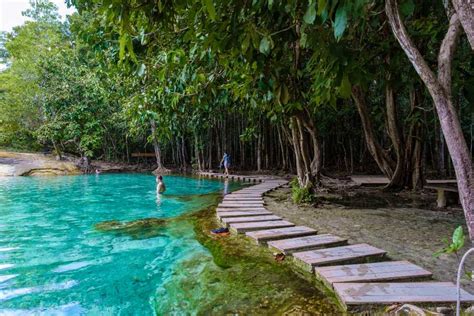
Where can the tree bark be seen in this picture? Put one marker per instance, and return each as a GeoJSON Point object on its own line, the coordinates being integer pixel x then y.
{"type": "Point", "coordinates": [397, 181]}
{"type": "Point", "coordinates": [156, 146]}
{"type": "Point", "coordinates": [381, 158]}
{"type": "Point", "coordinates": [316, 162]}
{"type": "Point", "coordinates": [440, 91]}
{"type": "Point", "coordinates": [465, 12]}
{"type": "Point", "coordinates": [197, 152]}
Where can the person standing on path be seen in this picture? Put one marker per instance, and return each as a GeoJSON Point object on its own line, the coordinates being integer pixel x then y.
{"type": "Point", "coordinates": [226, 163]}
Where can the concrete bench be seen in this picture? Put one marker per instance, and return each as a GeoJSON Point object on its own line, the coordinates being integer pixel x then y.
{"type": "Point", "coordinates": [442, 189]}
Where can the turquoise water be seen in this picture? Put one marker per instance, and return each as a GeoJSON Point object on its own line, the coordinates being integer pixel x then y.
{"type": "Point", "coordinates": [53, 260]}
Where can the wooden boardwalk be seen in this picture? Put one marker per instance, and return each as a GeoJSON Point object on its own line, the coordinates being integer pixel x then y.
{"type": "Point", "coordinates": [312, 258]}
{"type": "Point", "coordinates": [248, 219]}
{"type": "Point", "coordinates": [352, 271]}
{"type": "Point", "coordinates": [224, 214]}
{"type": "Point", "coordinates": [289, 246]}
{"type": "Point", "coordinates": [371, 272]}
{"type": "Point", "coordinates": [264, 236]}
{"type": "Point", "coordinates": [351, 294]}
{"type": "Point", "coordinates": [241, 228]}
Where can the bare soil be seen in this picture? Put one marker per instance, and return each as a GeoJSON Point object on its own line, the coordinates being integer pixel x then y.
{"type": "Point", "coordinates": [408, 226]}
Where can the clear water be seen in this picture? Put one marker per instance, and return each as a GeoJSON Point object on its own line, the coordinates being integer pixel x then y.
{"type": "Point", "coordinates": [53, 260]}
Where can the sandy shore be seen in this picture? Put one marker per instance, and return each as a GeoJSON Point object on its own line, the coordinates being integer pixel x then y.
{"type": "Point", "coordinates": [406, 225]}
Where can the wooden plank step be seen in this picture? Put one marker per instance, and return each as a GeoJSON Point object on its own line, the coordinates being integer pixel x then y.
{"type": "Point", "coordinates": [370, 272]}
{"type": "Point", "coordinates": [249, 219]}
{"type": "Point", "coordinates": [239, 193]}
{"type": "Point", "coordinates": [242, 192]}
{"type": "Point", "coordinates": [353, 294]}
{"type": "Point", "coordinates": [263, 236]}
{"type": "Point", "coordinates": [289, 246]}
{"type": "Point", "coordinates": [238, 205]}
{"type": "Point", "coordinates": [241, 228]}
{"type": "Point", "coordinates": [243, 198]}
{"type": "Point", "coordinates": [310, 259]}
{"type": "Point", "coordinates": [240, 208]}
{"type": "Point", "coordinates": [242, 202]}
{"type": "Point", "coordinates": [242, 213]}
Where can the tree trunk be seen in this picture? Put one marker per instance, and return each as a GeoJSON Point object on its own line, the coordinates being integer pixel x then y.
{"type": "Point", "coordinates": [156, 146]}
{"type": "Point", "coordinates": [465, 12]}
{"type": "Point", "coordinates": [259, 151]}
{"type": "Point", "coordinates": [282, 148]}
{"type": "Point", "coordinates": [197, 153]}
{"type": "Point", "coordinates": [397, 181]}
{"type": "Point", "coordinates": [440, 90]}
{"type": "Point", "coordinates": [414, 148]}
{"type": "Point", "coordinates": [316, 162]}
{"type": "Point", "coordinates": [383, 161]}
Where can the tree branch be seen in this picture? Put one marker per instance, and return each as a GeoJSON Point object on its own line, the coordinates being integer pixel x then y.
{"type": "Point", "coordinates": [446, 53]}
{"type": "Point", "coordinates": [465, 11]}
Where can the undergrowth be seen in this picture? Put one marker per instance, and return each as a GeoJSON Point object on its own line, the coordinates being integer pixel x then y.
{"type": "Point", "coordinates": [301, 195]}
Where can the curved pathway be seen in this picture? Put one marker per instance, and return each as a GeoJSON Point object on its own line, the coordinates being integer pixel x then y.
{"type": "Point", "coordinates": [359, 274]}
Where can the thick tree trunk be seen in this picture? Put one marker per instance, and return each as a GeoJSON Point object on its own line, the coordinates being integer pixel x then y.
{"type": "Point", "coordinates": [302, 170]}
{"type": "Point", "coordinates": [397, 181]}
{"type": "Point", "coordinates": [440, 90]}
{"type": "Point", "coordinates": [316, 162]}
{"type": "Point", "coordinates": [414, 148]}
{"type": "Point", "coordinates": [381, 158]}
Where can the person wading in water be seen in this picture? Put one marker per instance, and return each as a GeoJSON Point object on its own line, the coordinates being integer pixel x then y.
{"type": "Point", "coordinates": [160, 186]}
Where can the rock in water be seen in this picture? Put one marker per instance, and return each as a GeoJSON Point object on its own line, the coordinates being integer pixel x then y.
{"type": "Point", "coordinates": [137, 229]}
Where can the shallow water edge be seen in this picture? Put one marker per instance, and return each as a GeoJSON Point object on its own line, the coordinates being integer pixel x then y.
{"type": "Point", "coordinates": [239, 277]}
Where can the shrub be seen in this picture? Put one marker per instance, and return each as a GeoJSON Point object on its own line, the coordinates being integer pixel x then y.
{"type": "Point", "coordinates": [301, 195]}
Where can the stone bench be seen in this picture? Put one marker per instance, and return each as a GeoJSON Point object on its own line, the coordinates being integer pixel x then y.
{"type": "Point", "coordinates": [441, 190]}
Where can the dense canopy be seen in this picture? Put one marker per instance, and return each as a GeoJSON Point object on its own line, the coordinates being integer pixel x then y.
{"type": "Point", "coordinates": [318, 88]}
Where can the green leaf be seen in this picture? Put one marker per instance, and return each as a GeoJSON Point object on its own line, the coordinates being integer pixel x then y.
{"type": "Point", "coordinates": [303, 39]}
{"type": "Point", "coordinates": [264, 45]}
{"type": "Point", "coordinates": [407, 7]}
{"type": "Point", "coordinates": [245, 43]}
{"type": "Point", "coordinates": [321, 6]}
{"type": "Point", "coordinates": [210, 9]}
{"type": "Point", "coordinates": [141, 70]}
{"type": "Point", "coordinates": [340, 22]}
{"type": "Point", "coordinates": [345, 87]}
{"type": "Point", "coordinates": [123, 43]}
{"type": "Point", "coordinates": [310, 14]}
{"type": "Point", "coordinates": [458, 238]}
{"type": "Point", "coordinates": [285, 95]}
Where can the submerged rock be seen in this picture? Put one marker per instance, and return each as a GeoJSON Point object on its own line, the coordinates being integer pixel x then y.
{"type": "Point", "coordinates": [138, 229]}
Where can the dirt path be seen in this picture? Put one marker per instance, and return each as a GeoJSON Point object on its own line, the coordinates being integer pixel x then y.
{"type": "Point", "coordinates": [405, 226]}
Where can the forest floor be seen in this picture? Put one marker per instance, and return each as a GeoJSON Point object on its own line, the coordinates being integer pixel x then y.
{"type": "Point", "coordinates": [407, 225]}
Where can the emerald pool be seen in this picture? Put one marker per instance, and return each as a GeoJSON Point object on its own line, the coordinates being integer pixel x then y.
{"type": "Point", "coordinates": [54, 259]}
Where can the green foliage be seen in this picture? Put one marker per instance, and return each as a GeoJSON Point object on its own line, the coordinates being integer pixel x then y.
{"type": "Point", "coordinates": [301, 195]}
{"type": "Point", "coordinates": [340, 22]}
{"type": "Point", "coordinates": [454, 245]}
